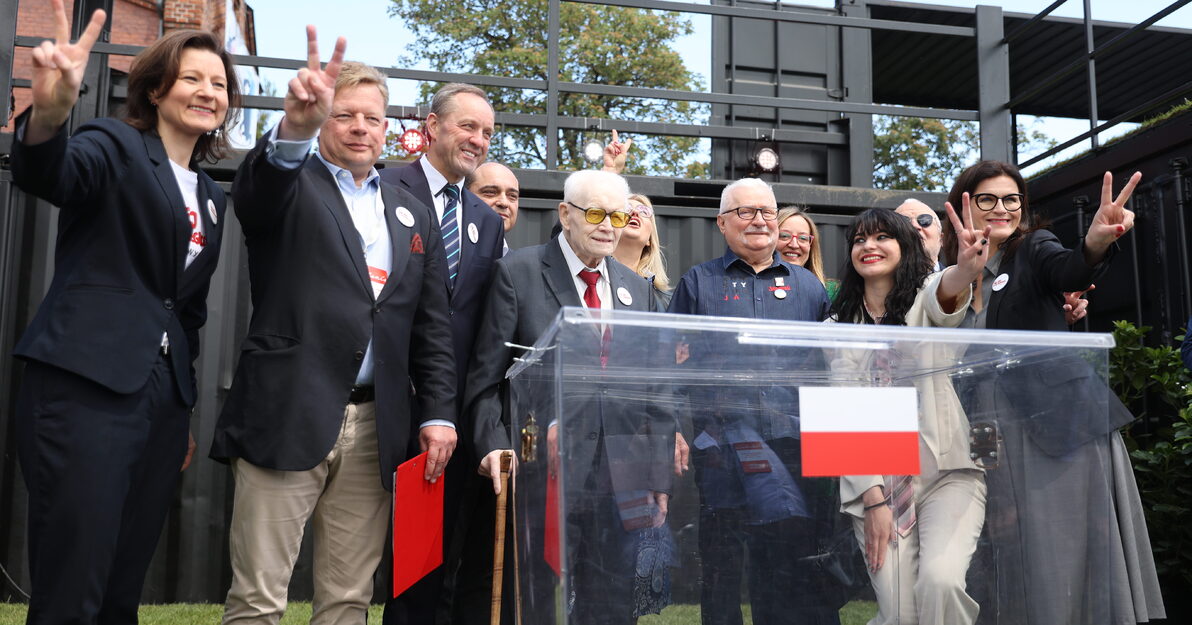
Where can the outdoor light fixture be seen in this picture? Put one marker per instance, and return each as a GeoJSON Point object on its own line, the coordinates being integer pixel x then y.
{"type": "Point", "coordinates": [766, 159]}
{"type": "Point", "coordinates": [594, 151]}
{"type": "Point", "coordinates": [413, 141]}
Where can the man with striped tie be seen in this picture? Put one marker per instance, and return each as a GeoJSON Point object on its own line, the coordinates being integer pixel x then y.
{"type": "Point", "coordinates": [460, 126]}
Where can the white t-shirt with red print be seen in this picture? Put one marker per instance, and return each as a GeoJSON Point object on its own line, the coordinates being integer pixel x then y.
{"type": "Point", "coordinates": [188, 184]}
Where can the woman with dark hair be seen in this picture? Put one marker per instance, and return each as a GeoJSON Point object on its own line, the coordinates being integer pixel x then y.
{"type": "Point", "coordinates": [102, 412]}
{"type": "Point", "coordinates": [935, 517]}
{"type": "Point", "coordinates": [1065, 520]}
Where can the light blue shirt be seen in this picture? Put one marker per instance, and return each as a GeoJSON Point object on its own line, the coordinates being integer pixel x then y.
{"type": "Point", "coordinates": [368, 215]}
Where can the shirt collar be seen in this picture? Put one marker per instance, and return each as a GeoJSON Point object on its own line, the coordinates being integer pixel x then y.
{"type": "Point", "coordinates": [435, 181]}
{"type": "Point", "coordinates": [731, 257]}
{"type": "Point", "coordinates": [574, 264]}
{"type": "Point", "coordinates": [347, 183]}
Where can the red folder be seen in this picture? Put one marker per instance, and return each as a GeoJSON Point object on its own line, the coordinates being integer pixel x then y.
{"type": "Point", "coordinates": [550, 549]}
{"type": "Point", "coordinates": [417, 524]}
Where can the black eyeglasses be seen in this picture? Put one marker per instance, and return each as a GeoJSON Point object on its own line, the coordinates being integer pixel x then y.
{"type": "Point", "coordinates": [748, 212]}
{"type": "Point", "coordinates": [988, 201]}
{"type": "Point", "coordinates": [596, 215]}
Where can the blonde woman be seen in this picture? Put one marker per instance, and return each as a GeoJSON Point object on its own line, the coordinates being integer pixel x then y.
{"type": "Point", "coordinates": [798, 244]}
{"type": "Point", "coordinates": [641, 250]}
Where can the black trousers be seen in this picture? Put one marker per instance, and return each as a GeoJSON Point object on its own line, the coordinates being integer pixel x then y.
{"type": "Point", "coordinates": [101, 469]}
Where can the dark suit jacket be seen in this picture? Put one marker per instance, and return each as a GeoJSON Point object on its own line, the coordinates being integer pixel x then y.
{"type": "Point", "coordinates": [123, 237]}
{"type": "Point", "coordinates": [475, 263]}
{"type": "Point", "coordinates": [313, 315]}
{"type": "Point", "coordinates": [1065, 408]}
{"type": "Point", "coordinates": [530, 285]}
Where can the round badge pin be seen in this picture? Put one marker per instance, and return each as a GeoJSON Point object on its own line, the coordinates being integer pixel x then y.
{"type": "Point", "coordinates": [780, 294]}
{"type": "Point", "coordinates": [405, 216]}
{"type": "Point", "coordinates": [211, 212]}
{"type": "Point", "coordinates": [624, 296]}
{"type": "Point", "coordinates": [473, 233]}
{"type": "Point", "coordinates": [999, 282]}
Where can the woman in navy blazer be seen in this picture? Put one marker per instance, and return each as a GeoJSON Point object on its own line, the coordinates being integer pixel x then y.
{"type": "Point", "coordinates": [102, 413]}
{"type": "Point", "coordinates": [1064, 518]}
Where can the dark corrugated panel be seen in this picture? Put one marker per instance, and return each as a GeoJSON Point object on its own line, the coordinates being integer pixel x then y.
{"type": "Point", "coordinates": [932, 70]}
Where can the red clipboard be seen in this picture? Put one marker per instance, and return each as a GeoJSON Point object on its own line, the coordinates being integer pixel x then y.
{"type": "Point", "coordinates": [550, 538]}
{"type": "Point", "coordinates": [417, 523]}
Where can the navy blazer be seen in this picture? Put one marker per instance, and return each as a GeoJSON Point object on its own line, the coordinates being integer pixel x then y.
{"type": "Point", "coordinates": [314, 313]}
{"type": "Point", "coordinates": [467, 295]}
{"type": "Point", "coordinates": [120, 279]}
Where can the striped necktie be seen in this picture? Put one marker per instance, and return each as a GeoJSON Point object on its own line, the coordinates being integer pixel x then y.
{"type": "Point", "coordinates": [450, 228]}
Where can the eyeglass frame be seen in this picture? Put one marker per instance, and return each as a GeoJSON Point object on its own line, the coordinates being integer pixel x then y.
{"type": "Point", "coordinates": [1021, 200]}
{"type": "Point", "coordinates": [642, 209]}
{"type": "Point", "coordinates": [931, 219]}
{"type": "Point", "coordinates": [803, 238]}
{"type": "Point", "coordinates": [755, 210]}
{"type": "Point", "coordinates": [601, 215]}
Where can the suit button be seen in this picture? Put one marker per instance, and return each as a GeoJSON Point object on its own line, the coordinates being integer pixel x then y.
{"type": "Point", "coordinates": [168, 303]}
{"type": "Point", "coordinates": [359, 355]}
{"type": "Point", "coordinates": [591, 436]}
{"type": "Point", "coordinates": [376, 309]}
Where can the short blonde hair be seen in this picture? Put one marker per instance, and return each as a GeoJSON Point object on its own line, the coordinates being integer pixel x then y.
{"type": "Point", "coordinates": [815, 260]}
{"type": "Point", "coordinates": [651, 262]}
{"type": "Point", "coordinates": [354, 74]}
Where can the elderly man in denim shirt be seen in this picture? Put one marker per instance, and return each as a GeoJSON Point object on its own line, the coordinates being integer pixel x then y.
{"type": "Point", "coordinates": [746, 450]}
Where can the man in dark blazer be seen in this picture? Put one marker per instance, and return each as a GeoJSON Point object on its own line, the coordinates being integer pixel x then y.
{"type": "Point", "coordinates": [530, 285]}
{"type": "Point", "coordinates": [349, 316]}
{"type": "Point", "coordinates": [460, 126]}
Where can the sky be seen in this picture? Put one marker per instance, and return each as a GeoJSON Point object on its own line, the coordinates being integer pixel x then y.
{"type": "Point", "coordinates": [375, 38]}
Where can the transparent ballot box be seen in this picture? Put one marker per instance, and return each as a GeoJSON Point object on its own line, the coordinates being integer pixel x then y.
{"type": "Point", "coordinates": [837, 473]}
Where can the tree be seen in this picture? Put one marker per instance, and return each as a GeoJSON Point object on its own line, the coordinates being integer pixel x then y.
{"type": "Point", "coordinates": [919, 154]}
{"type": "Point", "coordinates": [597, 44]}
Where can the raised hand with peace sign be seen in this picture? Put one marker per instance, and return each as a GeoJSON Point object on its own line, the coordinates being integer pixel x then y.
{"type": "Point", "coordinates": [308, 100]}
{"type": "Point", "coordinates": [971, 255]}
{"type": "Point", "coordinates": [58, 67]}
{"type": "Point", "coordinates": [1112, 219]}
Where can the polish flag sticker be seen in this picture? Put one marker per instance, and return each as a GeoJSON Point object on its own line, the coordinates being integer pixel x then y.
{"type": "Point", "coordinates": [859, 430]}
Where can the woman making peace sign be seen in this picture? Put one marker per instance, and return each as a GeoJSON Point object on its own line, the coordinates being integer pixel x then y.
{"type": "Point", "coordinates": [102, 413]}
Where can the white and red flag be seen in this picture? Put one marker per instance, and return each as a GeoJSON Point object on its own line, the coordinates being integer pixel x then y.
{"type": "Point", "coordinates": [859, 430]}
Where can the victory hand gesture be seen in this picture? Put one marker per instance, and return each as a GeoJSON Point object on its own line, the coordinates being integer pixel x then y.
{"type": "Point", "coordinates": [308, 101]}
{"type": "Point", "coordinates": [971, 244]}
{"type": "Point", "coordinates": [58, 68]}
{"type": "Point", "coordinates": [1112, 219]}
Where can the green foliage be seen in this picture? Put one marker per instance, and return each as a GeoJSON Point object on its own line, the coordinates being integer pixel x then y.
{"type": "Point", "coordinates": [1163, 459]}
{"type": "Point", "coordinates": [920, 154]}
{"type": "Point", "coordinates": [187, 613]}
{"type": "Point", "coordinates": [598, 44]}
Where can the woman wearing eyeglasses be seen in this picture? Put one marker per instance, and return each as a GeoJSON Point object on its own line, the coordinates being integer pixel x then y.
{"type": "Point", "coordinates": [641, 250]}
{"type": "Point", "coordinates": [1064, 514]}
{"type": "Point", "coordinates": [934, 518]}
{"type": "Point", "coordinates": [798, 244]}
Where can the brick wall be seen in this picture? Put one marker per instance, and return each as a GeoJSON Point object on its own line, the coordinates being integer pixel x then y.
{"type": "Point", "coordinates": [133, 22]}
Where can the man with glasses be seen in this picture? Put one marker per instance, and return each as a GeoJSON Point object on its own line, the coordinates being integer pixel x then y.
{"type": "Point", "coordinates": [745, 450]}
{"type": "Point", "coordinates": [529, 286]}
{"type": "Point", "coordinates": [928, 224]}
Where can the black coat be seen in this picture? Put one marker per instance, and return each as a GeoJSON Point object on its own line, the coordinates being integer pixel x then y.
{"type": "Point", "coordinates": [123, 236]}
{"type": "Point", "coordinates": [314, 313]}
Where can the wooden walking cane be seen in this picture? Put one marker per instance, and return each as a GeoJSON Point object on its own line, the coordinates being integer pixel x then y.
{"type": "Point", "coordinates": [499, 539]}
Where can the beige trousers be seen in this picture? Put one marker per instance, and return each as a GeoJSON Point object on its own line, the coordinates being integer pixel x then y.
{"type": "Point", "coordinates": [348, 510]}
{"type": "Point", "coordinates": [923, 579]}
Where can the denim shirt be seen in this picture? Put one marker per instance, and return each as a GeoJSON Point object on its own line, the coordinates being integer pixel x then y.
{"type": "Point", "coordinates": [721, 414]}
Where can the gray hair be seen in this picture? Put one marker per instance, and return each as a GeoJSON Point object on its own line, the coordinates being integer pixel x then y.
{"type": "Point", "coordinates": [579, 186]}
{"type": "Point", "coordinates": [443, 101]}
{"type": "Point", "coordinates": [744, 183]}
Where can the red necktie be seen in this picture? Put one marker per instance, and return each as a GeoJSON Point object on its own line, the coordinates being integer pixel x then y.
{"type": "Point", "coordinates": [592, 300]}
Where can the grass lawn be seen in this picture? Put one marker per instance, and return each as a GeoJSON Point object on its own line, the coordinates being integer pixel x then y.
{"type": "Point", "coordinates": [855, 613]}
